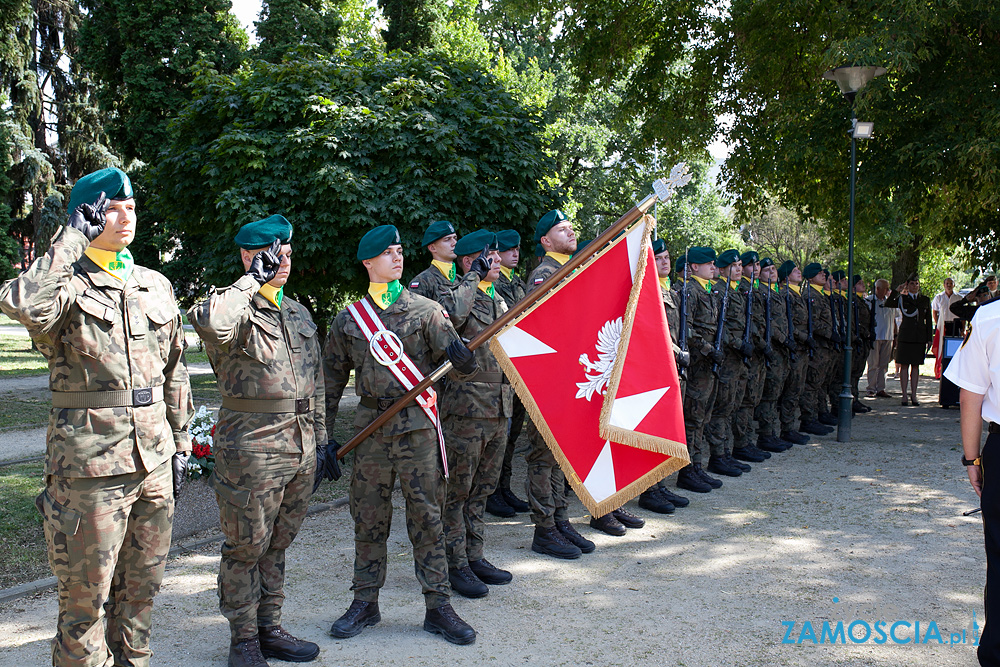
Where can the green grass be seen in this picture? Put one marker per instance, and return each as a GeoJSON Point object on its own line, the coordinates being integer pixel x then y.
{"type": "Point", "coordinates": [18, 358]}
{"type": "Point", "coordinates": [24, 411]}
{"type": "Point", "coordinates": [7, 322]}
{"type": "Point", "coordinates": [22, 542]}
{"type": "Point", "coordinates": [194, 356]}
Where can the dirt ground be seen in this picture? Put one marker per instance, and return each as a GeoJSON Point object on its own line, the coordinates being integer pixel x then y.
{"type": "Point", "coordinates": [870, 530]}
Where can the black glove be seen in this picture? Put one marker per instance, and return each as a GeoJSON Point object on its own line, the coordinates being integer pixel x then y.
{"type": "Point", "coordinates": [264, 265]}
{"type": "Point", "coordinates": [180, 466]}
{"type": "Point", "coordinates": [482, 264]}
{"type": "Point", "coordinates": [790, 345]}
{"type": "Point", "coordinates": [683, 358]}
{"type": "Point", "coordinates": [718, 356]}
{"type": "Point", "coordinates": [746, 349]}
{"type": "Point", "coordinates": [89, 218]}
{"type": "Point", "coordinates": [461, 357]}
{"type": "Point", "coordinates": [326, 463]}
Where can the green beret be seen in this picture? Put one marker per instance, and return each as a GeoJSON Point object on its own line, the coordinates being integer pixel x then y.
{"type": "Point", "coordinates": [474, 242]}
{"type": "Point", "coordinates": [786, 269]}
{"type": "Point", "coordinates": [857, 279]}
{"type": "Point", "coordinates": [548, 221]}
{"type": "Point", "coordinates": [749, 257]}
{"type": "Point", "coordinates": [437, 230]}
{"type": "Point", "coordinates": [700, 255]}
{"type": "Point", "coordinates": [766, 262]}
{"type": "Point", "coordinates": [839, 275]}
{"type": "Point", "coordinates": [811, 271]}
{"type": "Point", "coordinates": [262, 233]}
{"type": "Point", "coordinates": [113, 182]}
{"type": "Point", "coordinates": [679, 265]}
{"type": "Point", "coordinates": [659, 246]}
{"type": "Point", "coordinates": [508, 239]}
{"type": "Point", "coordinates": [375, 241]}
{"type": "Point", "coordinates": [727, 258]}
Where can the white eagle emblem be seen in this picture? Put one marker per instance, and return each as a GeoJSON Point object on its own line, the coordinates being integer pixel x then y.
{"type": "Point", "coordinates": [599, 372]}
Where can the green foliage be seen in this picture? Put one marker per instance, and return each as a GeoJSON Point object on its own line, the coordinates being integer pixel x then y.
{"type": "Point", "coordinates": [288, 24]}
{"type": "Point", "coordinates": [339, 145]}
{"type": "Point", "coordinates": [412, 23]}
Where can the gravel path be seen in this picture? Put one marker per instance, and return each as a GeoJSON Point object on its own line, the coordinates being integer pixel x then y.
{"type": "Point", "coordinates": [870, 530]}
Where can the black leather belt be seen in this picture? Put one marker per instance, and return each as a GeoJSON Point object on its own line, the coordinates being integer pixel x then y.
{"type": "Point", "coordinates": [380, 404]}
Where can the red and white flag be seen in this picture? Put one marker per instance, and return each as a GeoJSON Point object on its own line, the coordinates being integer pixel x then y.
{"type": "Point", "coordinates": [590, 332]}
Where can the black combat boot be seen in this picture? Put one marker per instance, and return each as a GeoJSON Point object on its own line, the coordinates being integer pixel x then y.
{"type": "Point", "coordinates": [859, 408]}
{"type": "Point", "coordinates": [652, 500]}
{"type": "Point", "coordinates": [794, 437]}
{"type": "Point", "coordinates": [497, 505]}
{"type": "Point", "coordinates": [246, 654]}
{"type": "Point", "coordinates": [737, 464]}
{"type": "Point", "coordinates": [445, 622]}
{"type": "Point", "coordinates": [690, 480]}
{"type": "Point", "coordinates": [815, 428]}
{"type": "Point", "coordinates": [575, 538]}
{"type": "Point", "coordinates": [628, 519]}
{"type": "Point", "coordinates": [771, 444]}
{"type": "Point", "coordinates": [828, 418]}
{"type": "Point", "coordinates": [515, 502]}
{"type": "Point", "coordinates": [466, 583]}
{"type": "Point", "coordinates": [358, 616]}
{"type": "Point", "coordinates": [751, 454]}
{"type": "Point", "coordinates": [720, 466]}
{"type": "Point", "coordinates": [708, 479]}
{"type": "Point", "coordinates": [607, 524]}
{"type": "Point", "coordinates": [552, 542]}
{"type": "Point", "coordinates": [276, 642]}
{"type": "Point", "coordinates": [488, 573]}
{"type": "Point", "coordinates": [673, 498]}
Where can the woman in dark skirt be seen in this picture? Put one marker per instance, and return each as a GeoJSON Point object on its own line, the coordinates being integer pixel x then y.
{"type": "Point", "coordinates": [915, 333]}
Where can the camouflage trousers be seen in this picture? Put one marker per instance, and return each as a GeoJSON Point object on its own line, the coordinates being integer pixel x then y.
{"type": "Point", "coordinates": [108, 540]}
{"type": "Point", "coordinates": [699, 397]}
{"type": "Point", "coordinates": [835, 379]}
{"type": "Point", "coordinates": [516, 425]}
{"type": "Point", "coordinates": [728, 396]}
{"type": "Point", "coordinates": [791, 394]}
{"type": "Point", "coordinates": [744, 434]}
{"type": "Point", "coordinates": [263, 498]}
{"type": "Point", "coordinates": [545, 484]}
{"type": "Point", "coordinates": [817, 375]}
{"type": "Point", "coordinates": [775, 377]}
{"type": "Point", "coordinates": [859, 359]}
{"type": "Point", "coordinates": [415, 457]}
{"type": "Point", "coordinates": [682, 386]}
{"type": "Point", "coordinates": [475, 456]}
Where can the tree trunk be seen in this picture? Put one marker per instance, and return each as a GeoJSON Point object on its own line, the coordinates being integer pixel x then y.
{"type": "Point", "coordinates": [907, 263]}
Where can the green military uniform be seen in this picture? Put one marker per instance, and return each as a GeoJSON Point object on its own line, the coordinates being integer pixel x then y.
{"type": "Point", "coordinates": [439, 277]}
{"type": "Point", "coordinates": [817, 375]}
{"type": "Point", "coordinates": [121, 403]}
{"type": "Point", "coordinates": [744, 434]}
{"type": "Point", "coordinates": [732, 371]}
{"type": "Point", "coordinates": [835, 372]}
{"type": "Point", "coordinates": [474, 412]}
{"type": "Point", "coordinates": [791, 394]}
{"type": "Point", "coordinates": [862, 338]}
{"type": "Point", "coordinates": [406, 446]}
{"type": "Point", "coordinates": [268, 366]}
{"type": "Point", "coordinates": [512, 289]}
{"type": "Point", "coordinates": [777, 363]}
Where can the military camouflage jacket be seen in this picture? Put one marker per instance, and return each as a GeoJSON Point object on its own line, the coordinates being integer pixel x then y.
{"type": "Point", "coordinates": [99, 334]}
{"type": "Point", "coordinates": [545, 268]}
{"type": "Point", "coordinates": [800, 316]}
{"type": "Point", "coordinates": [430, 283]}
{"type": "Point", "coordinates": [757, 323]}
{"type": "Point", "coordinates": [512, 290]}
{"type": "Point", "coordinates": [736, 314]}
{"type": "Point", "coordinates": [672, 306]}
{"type": "Point", "coordinates": [703, 318]}
{"type": "Point", "coordinates": [822, 319]}
{"type": "Point", "coordinates": [862, 314]}
{"type": "Point", "coordinates": [261, 352]}
{"type": "Point", "coordinates": [487, 394]}
{"type": "Point", "coordinates": [425, 331]}
{"type": "Point", "coordinates": [779, 317]}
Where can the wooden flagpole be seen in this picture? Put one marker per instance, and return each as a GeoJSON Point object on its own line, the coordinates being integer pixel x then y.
{"type": "Point", "coordinates": [608, 235]}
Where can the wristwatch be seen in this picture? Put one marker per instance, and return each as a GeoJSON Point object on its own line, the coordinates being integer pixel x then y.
{"type": "Point", "coordinates": [978, 461]}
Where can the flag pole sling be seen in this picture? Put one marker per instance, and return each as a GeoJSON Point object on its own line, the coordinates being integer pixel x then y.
{"type": "Point", "coordinates": [608, 235]}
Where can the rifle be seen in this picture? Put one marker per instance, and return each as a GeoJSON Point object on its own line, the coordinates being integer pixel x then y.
{"type": "Point", "coordinates": [857, 325]}
{"type": "Point", "coordinates": [841, 309]}
{"type": "Point", "coordinates": [767, 325]}
{"type": "Point", "coordinates": [810, 341]}
{"type": "Point", "coordinates": [747, 325]}
{"type": "Point", "coordinates": [684, 358]}
{"type": "Point", "coordinates": [717, 343]}
{"type": "Point", "coordinates": [836, 324]}
{"type": "Point", "coordinates": [790, 339]}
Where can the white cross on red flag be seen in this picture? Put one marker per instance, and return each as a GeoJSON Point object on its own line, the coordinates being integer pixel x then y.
{"type": "Point", "coordinates": [598, 344]}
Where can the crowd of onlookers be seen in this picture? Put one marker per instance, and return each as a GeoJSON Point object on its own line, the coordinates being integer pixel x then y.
{"type": "Point", "coordinates": [927, 323]}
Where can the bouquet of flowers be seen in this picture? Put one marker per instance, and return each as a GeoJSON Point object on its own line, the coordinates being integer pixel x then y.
{"type": "Point", "coordinates": [201, 429]}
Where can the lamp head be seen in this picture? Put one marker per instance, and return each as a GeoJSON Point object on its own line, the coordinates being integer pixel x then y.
{"type": "Point", "coordinates": [851, 79]}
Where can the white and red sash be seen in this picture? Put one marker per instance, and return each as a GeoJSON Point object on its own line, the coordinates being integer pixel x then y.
{"type": "Point", "coordinates": [387, 350]}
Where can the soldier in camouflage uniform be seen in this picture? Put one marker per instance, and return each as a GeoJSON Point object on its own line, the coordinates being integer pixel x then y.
{"type": "Point", "coordinates": [814, 393]}
{"type": "Point", "coordinates": [439, 277]}
{"type": "Point", "coordinates": [862, 332]}
{"type": "Point", "coordinates": [266, 356]}
{"type": "Point", "coordinates": [700, 388]}
{"type": "Point", "coordinates": [835, 378]}
{"type": "Point", "coordinates": [776, 358]}
{"type": "Point", "coordinates": [406, 446]}
{"type": "Point", "coordinates": [732, 371]}
{"type": "Point", "coordinates": [790, 279]}
{"type": "Point", "coordinates": [545, 484]}
{"type": "Point", "coordinates": [504, 502]}
{"type": "Point", "coordinates": [744, 434]}
{"type": "Point", "coordinates": [475, 412]}
{"type": "Point", "coordinates": [121, 402]}
{"type": "Point", "coordinates": [658, 498]}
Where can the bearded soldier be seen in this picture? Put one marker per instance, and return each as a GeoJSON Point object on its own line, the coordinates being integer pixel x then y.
{"type": "Point", "coordinates": [265, 353]}
{"type": "Point", "coordinates": [121, 402]}
{"type": "Point", "coordinates": [411, 335]}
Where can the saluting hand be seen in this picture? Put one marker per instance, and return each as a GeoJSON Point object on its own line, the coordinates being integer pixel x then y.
{"type": "Point", "coordinates": [264, 266]}
{"type": "Point", "coordinates": [482, 264]}
{"type": "Point", "coordinates": [89, 218]}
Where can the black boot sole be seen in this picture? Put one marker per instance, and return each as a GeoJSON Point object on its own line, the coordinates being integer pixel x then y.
{"type": "Point", "coordinates": [542, 550]}
{"type": "Point", "coordinates": [367, 623]}
{"type": "Point", "coordinates": [278, 655]}
{"type": "Point", "coordinates": [461, 641]}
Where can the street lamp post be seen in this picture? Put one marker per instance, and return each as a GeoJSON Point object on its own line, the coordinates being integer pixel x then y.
{"type": "Point", "coordinates": [851, 80]}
